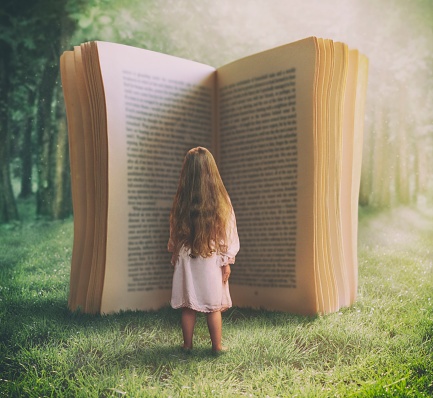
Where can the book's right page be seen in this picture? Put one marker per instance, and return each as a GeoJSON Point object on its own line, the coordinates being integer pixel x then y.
{"type": "Point", "coordinates": [358, 141]}
{"type": "Point", "coordinates": [327, 300]}
{"type": "Point", "coordinates": [353, 126]}
{"type": "Point", "coordinates": [267, 121]}
{"type": "Point", "coordinates": [338, 87]}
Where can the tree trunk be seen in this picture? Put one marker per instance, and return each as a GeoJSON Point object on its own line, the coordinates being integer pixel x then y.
{"type": "Point", "coordinates": [63, 196]}
{"type": "Point", "coordinates": [54, 192]}
{"type": "Point", "coordinates": [367, 168]}
{"type": "Point", "coordinates": [423, 166]}
{"type": "Point", "coordinates": [8, 208]}
{"type": "Point", "coordinates": [27, 151]}
{"type": "Point", "coordinates": [402, 176]}
{"type": "Point", "coordinates": [46, 140]}
{"type": "Point", "coordinates": [402, 186]}
{"type": "Point", "coordinates": [62, 206]}
{"type": "Point", "coordinates": [381, 184]}
{"type": "Point", "coordinates": [422, 148]}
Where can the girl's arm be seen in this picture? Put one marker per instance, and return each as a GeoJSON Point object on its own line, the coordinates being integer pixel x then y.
{"type": "Point", "coordinates": [226, 272]}
{"type": "Point", "coordinates": [233, 243]}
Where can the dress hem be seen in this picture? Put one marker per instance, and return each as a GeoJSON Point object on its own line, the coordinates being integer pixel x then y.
{"type": "Point", "coordinates": [193, 307]}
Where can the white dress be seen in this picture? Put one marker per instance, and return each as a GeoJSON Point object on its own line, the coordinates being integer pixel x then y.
{"type": "Point", "coordinates": [197, 282]}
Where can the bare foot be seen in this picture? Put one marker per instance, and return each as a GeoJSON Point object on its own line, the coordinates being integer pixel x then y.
{"type": "Point", "coordinates": [185, 348]}
{"type": "Point", "coordinates": [220, 351]}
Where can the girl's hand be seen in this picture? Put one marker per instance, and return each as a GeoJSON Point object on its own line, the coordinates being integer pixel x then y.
{"type": "Point", "coordinates": [226, 272]}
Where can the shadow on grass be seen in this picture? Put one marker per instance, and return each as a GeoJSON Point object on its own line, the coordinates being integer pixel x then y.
{"type": "Point", "coordinates": [46, 312]}
{"type": "Point", "coordinates": [55, 311]}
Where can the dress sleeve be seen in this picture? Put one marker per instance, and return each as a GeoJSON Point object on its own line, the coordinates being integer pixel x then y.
{"type": "Point", "coordinates": [233, 245]}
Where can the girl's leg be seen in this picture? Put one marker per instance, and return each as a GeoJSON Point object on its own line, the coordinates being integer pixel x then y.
{"type": "Point", "coordinates": [214, 323]}
{"type": "Point", "coordinates": [188, 323]}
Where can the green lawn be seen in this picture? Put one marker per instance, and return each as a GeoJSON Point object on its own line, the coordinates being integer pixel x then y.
{"type": "Point", "coordinates": [380, 347]}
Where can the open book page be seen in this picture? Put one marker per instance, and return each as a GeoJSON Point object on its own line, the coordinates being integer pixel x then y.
{"type": "Point", "coordinates": [82, 110]}
{"type": "Point", "coordinates": [352, 152]}
{"type": "Point", "coordinates": [341, 53]}
{"type": "Point", "coordinates": [327, 140]}
{"type": "Point", "coordinates": [158, 107]}
{"type": "Point", "coordinates": [361, 93]}
{"type": "Point", "coordinates": [267, 120]}
{"type": "Point", "coordinates": [97, 165]}
{"type": "Point", "coordinates": [323, 277]}
{"type": "Point", "coordinates": [78, 286]}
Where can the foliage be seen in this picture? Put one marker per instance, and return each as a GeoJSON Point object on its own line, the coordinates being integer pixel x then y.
{"type": "Point", "coordinates": [135, 23]}
{"type": "Point", "coordinates": [380, 347]}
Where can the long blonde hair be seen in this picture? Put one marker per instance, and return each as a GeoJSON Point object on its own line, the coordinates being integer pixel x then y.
{"type": "Point", "coordinates": [201, 208]}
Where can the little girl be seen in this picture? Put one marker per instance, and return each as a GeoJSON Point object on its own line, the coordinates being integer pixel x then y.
{"type": "Point", "coordinates": [204, 242]}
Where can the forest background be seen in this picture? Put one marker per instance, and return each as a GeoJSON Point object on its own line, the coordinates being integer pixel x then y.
{"type": "Point", "coordinates": [396, 36]}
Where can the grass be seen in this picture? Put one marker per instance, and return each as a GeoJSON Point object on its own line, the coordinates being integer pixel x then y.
{"type": "Point", "coordinates": [380, 347]}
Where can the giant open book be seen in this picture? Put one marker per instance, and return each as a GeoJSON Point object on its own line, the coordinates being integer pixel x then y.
{"type": "Point", "coordinates": [285, 126]}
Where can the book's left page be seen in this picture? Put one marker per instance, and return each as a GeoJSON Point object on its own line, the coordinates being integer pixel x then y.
{"type": "Point", "coordinates": [79, 178]}
{"type": "Point", "coordinates": [157, 108]}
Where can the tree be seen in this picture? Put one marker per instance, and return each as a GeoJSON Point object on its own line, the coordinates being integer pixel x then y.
{"type": "Point", "coordinates": [8, 208]}
{"type": "Point", "coordinates": [35, 33]}
{"type": "Point", "coordinates": [62, 204]}
{"type": "Point", "coordinates": [52, 161]}
{"type": "Point", "coordinates": [27, 145]}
